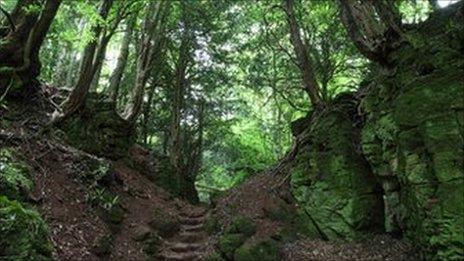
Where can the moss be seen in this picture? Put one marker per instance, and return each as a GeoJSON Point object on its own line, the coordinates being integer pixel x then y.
{"type": "Point", "coordinates": [15, 179]}
{"type": "Point", "coordinates": [228, 243]}
{"type": "Point", "coordinates": [263, 251]}
{"type": "Point", "coordinates": [242, 225]}
{"type": "Point", "coordinates": [414, 138]}
{"type": "Point", "coordinates": [24, 233]}
{"type": "Point", "coordinates": [99, 130]}
{"type": "Point", "coordinates": [332, 181]}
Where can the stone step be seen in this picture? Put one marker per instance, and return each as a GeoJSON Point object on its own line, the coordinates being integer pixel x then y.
{"type": "Point", "coordinates": [184, 247]}
{"type": "Point", "coordinates": [172, 256]}
{"type": "Point", "coordinates": [192, 228]}
{"type": "Point", "coordinates": [192, 221]}
{"type": "Point", "coordinates": [191, 237]}
{"type": "Point", "coordinates": [193, 214]}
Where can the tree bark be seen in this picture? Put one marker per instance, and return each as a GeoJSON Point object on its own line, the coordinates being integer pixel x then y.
{"type": "Point", "coordinates": [304, 63]}
{"type": "Point", "coordinates": [374, 38]}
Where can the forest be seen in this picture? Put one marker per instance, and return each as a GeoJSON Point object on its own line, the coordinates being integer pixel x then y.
{"type": "Point", "coordinates": [231, 130]}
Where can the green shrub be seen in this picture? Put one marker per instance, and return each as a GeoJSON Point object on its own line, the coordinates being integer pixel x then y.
{"type": "Point", "coordinates": [23, 233]}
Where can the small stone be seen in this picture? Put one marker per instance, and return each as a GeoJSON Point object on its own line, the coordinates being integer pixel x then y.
{"type": "Point", "coordinates": [142, 233]}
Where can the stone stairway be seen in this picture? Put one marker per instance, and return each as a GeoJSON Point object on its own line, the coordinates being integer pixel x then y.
{"type": "Point", "coordinates": [188, 244]}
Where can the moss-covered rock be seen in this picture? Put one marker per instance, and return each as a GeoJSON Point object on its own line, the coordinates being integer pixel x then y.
{"type": "Point", "coordinates": [242, 225]}
{"type": "Point", "coordinates": [228, 243]}
{"type": "Point", "coordinates": [267, 250]}
{"type": "Point", "coordinates": [414, 137]}
{"type": "Point", "coordinates": [24, 235]}
{"type": "Point", "coordinates": [98, 129]}
{"type": "Point", "coordinates": [15, 179]}
{"type": "Point", "coordinates": [331, 179]}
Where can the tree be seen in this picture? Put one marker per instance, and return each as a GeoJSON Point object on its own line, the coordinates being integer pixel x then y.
{"type": "Point", "coordinates": [179, 85]}
{"type": "Point", "coordinates": [116, 76]}
{"type": "Point", "coordinates": [150, 46]}
{"type": "Point", "coordinates": [20, 46]}
{"type": "Point", "coordinates": [94, 54]}
{"type": "Point", "coordinates": [374, 27]}
{"type": "Point", "coordinates": [304, 62]}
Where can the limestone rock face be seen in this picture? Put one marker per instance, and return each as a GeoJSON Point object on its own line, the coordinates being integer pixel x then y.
{"type": "Point", "coordinates": [413, 138]}
{"type": "Point", "coordinates": [408, 146]}
{"type": "Point", "coordinates": [332, 181]}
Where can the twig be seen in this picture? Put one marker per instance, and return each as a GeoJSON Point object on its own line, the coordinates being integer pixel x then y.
{"type": "Point", "coordinates": [7, 90]}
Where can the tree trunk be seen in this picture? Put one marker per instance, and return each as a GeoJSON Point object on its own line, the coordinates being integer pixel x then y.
{"type": "Point", "coordinates": [373, 26]}
{"type": "Point", "coordinates": [78, 95]}
{"type": "Point", "coordinates": [146, 112]}
{"type": "Point", "coordinates": [19, 54]}
{"type": "Point", "coordinates": [116, 76]}
{"type": "Point", "coordinates": [150, 46]}
{"type": "Point", "coordinates": [304, 62]}
{"type": "Point", "coordinates": [98, 63]}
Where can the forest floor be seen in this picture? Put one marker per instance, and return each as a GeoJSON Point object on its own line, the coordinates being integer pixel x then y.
{"type": "Point", "coordinates": [79, 230]}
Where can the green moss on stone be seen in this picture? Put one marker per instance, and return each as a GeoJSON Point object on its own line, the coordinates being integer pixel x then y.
{"type": "Point", "coordinates": [332, 181]}
{"type": "Point", "coordinates": [242, 225]}
{"type": "Point", "coordinates": [15, 179]}
{"type": "Point", "coordinates": [228, 243]}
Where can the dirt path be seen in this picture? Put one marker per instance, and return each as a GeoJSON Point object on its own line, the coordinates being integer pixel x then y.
{"type": "Point", "coordinates": [189, 243]}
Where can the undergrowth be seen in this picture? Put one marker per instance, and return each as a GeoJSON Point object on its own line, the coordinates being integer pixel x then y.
{"type": "Point", "coordinates": [23, 233]}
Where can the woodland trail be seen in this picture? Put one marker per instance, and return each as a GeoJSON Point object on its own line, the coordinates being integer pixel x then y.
{"type": "Point", "coordinates": [189, 243]}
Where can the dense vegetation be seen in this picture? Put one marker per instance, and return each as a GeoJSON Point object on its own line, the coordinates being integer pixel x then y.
{"type": "Point", "coordinates": [357, 105]}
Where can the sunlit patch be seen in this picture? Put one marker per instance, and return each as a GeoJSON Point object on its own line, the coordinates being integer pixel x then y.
{"type": "Point", "coordinates": [444, 3]}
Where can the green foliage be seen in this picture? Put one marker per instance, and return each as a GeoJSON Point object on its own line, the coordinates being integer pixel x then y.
{"type": "Point", "coordinates": [24, 233]}
{"type": "Point", "coordinates": [102, 198]}
{"type": "Point", "coordinates": [14, 176]}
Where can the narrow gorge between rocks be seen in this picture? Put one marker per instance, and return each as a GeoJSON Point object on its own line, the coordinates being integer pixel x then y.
{"type": "Point", "coordinates": [225, 130]}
